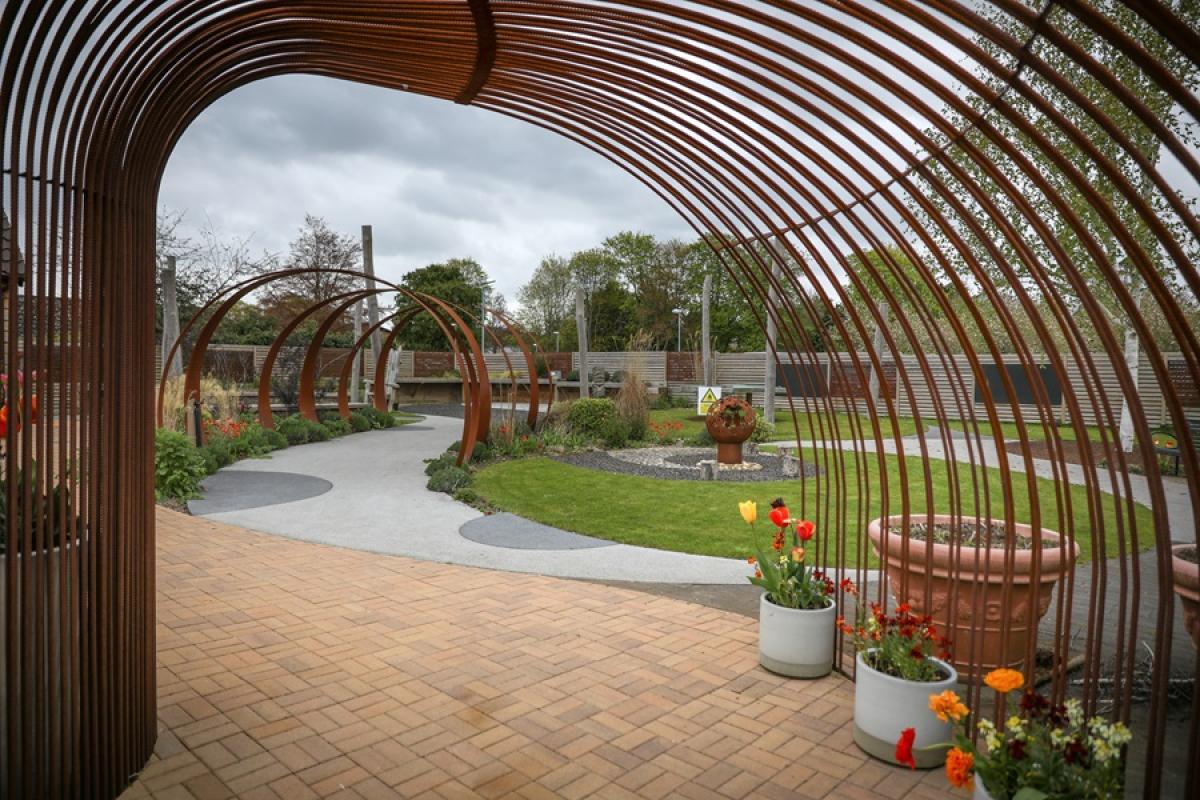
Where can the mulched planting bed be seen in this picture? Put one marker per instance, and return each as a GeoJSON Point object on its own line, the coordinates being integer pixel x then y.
{"type": "Point", "coordinates": [971, 534]}
{"type": "Point", "coordinates": [682, 469]}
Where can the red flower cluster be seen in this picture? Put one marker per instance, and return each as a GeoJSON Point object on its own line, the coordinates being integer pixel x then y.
{"type": "Point", "coordinates": [229, 428]}
{"type": "Point", "coordinates": [667, 430]}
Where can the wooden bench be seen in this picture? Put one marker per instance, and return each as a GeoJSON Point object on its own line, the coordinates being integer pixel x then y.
{"type": "Point", "coordinates": [1168, 445]}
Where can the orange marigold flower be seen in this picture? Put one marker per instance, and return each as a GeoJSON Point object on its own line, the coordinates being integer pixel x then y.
{"type": "Point", "coordinates": [751, 560]}
{"type": "Point", "coordinates": [1004, 680]}
{"type": "Point", "coordinates": [960, 768]}
{"type": "Point", "coordinates": [947, 706]}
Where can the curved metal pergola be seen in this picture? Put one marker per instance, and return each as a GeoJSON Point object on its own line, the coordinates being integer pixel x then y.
{"type": "Point", "coordinates": [942, 137]}
{"type": "Point", "coordinates": [477, 409]}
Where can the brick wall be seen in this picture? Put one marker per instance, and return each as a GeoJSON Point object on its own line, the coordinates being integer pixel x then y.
{"type": "Point", "coordinates": [432, 365]}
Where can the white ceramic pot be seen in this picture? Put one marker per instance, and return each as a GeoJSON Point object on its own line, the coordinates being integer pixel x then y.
{"type": "Point", "coordinates": [884, 706]}
{"type": "Point", "coordinates": [795, 642]}
{"type": "Point", "coordinates": [980, 793]}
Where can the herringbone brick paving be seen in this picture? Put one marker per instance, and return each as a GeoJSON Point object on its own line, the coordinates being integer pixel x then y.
{"type": "Point", "coordinates": [289, 670]}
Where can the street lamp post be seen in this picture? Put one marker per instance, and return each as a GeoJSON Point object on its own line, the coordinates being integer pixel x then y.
{"type": "Point", "coordinates": [678, 329]}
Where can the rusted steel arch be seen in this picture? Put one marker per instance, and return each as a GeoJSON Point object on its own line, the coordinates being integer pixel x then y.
{"type": "Point", "coordinates": [857, 154]}
{"type": "Point", "coordinates": [348, 367]}
{"type": "Point", "coordinates": [515, 330]}
{"type": "Point", "coordinates": [265, 417]}
{"type": "Point", "coordinates": [213, 313]}
{"type": "Point", "coordinates": [481, 409]}
{"type": "Point", "coordinates": [308, 370]}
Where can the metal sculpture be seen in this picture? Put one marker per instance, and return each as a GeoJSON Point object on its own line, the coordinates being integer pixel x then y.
{"type": "Point", "coordinates": [833, 129]}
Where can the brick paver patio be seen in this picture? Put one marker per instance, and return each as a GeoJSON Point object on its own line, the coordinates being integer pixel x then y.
{"type": "Point", "coordinates": [290, 670]}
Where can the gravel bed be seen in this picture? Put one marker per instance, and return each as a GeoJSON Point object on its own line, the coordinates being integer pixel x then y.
{"type": "Point", "coordinates": [598, 459]}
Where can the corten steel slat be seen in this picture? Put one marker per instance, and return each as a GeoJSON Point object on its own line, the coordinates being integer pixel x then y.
{"type": "Point", "coordinates": [308, 370]}
{"type": "Point", "coordinates": [355, 350]}
{"type": "Point", "coordinates": [91, 125]}
{"type": "Point", "coordinates": [515, 330]}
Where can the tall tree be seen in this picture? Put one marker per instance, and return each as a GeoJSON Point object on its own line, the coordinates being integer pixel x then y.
{"type": "Point", "coordinates": [316, 247]}
{"type": "Point", "coordinates": [547, 299]}
{"type": "Point", "coordinates": [461, 282]}
{"type": "Point", "coordinates": [1144, 142]}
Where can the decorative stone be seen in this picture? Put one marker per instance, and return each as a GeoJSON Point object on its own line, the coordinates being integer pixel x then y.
{"type": "Point", "coordinates": [750, 448]}
{"type": "Point", "coordinates": [790, 466]}
{"type": "Point", "coordinates": [708, 470]}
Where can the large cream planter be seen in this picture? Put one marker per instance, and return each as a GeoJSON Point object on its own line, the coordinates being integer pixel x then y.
{"type": "Point", "coordinates": [884, 706]}
{"type": "Point", "coordinates": [797, 642]}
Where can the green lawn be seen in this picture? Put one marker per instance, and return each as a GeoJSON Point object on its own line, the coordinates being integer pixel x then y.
{"type": "Point", "coordinates": [702, 518]}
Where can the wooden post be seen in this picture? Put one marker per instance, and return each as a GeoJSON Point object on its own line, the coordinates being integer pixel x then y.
{"type": "Point", "coordinates": [772, 335]}
{"type": "Point", "coordinates": [581, 328]}
{"type": "Point", "coordinates": [368, 246]}
{"type": "Point", "coordinates": [170, 318]}
{"type": "Point", "coordinates": [355, 367]}
{"type": "Point", "coordinates": [875, 382]}
{"type": "Point", "coordinates": [706, 363]}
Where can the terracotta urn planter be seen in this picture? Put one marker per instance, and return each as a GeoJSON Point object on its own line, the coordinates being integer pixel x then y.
{"type": "Point", "coordinates": [796, 642]}
{"type": "Point", "coordinates": [1187, 585]}
{"type": "Point", "coordinates": [980, 578]}
{"type": "Point", "coordinates": [885, 705]}
{"type": "Point", "coordinates": [730, 421]}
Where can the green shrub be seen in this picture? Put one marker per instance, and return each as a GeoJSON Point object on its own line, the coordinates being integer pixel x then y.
{"type": "Point", "coordinates": [449, 480]}
{"type": "Point", "coordinates": [337, 427]}
{"type": "Point", "coordinates": [274, 439]}
{"type": "Point", "coordinates": [294, 429]}
{"type": "Point", "coordinates": [316, 432]}
{"type": "Point", "coordinates": [763, 430]}
{"type": "Point", "coordinates": [589, 416]}
{"type": "Point", "coordinates": [378, 419]}
{"type": "Point", "coordinates": [446, 459]}
{"type": "Point", "coordinates": [178, 466]}
{"type": "Point", "coordinates": [614, 432]}
{"type": "Point", "coordinates": [359, 422]}
{"type": "Point", "coordinates": [217, 452]}
{"type": "Point", "coordinates": [466, 495]}
{"type": "Point", "coordinates": [701, 439]}
{"type": "Point", "coordinates": [573, 375]}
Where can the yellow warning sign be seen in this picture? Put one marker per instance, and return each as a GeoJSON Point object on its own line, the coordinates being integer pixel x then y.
{"type": "Point", "coordinates": [705, 397]}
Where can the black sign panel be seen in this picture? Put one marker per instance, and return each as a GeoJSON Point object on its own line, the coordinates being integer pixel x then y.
{"type": "Point", "coordinates": [803, 380]}
{"type": "Point", "coordinates": [1022, 384]}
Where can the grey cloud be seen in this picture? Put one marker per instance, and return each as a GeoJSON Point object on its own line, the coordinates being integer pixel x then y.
{"type": "Point", "coordinates": [436, 180]}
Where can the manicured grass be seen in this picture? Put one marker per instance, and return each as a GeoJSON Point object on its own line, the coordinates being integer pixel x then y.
{"type": "Point", "coordinates": [405, 418]}
{"type": "Point", "coordinates": [694, 517]}
{"type": "Point", "coordinates": [1034, 431]}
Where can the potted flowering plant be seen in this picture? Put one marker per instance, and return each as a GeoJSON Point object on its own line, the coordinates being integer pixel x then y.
{"type": "Point", "coordinates": [1043, 751]}
{"type": "Point", "coordinates": [796, 613]}
{"type": "Point", "coordinates": [901, 658]}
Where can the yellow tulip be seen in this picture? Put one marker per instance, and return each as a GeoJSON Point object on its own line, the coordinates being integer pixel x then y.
{"type": "Point", "coordinates": [749, 510]}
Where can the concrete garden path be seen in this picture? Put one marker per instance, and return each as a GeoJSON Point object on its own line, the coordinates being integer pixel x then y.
{"type": "Point", "coordinates": [367, 492]}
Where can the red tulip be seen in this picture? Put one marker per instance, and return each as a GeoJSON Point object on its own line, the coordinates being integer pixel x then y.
{"type": "Point", "coordinates": [4, 421]}
{"type": "Point", "coordinates": [904, 747]}
{"type": "Point", "coordinates": [780, 516]}
{"type": "Point", "coordinates": [805, 530]}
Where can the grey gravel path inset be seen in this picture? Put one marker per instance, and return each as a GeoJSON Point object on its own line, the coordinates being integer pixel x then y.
{"type": "Point", "coordinates": [517, 533]}
{"type": "Point", "coordinates": [233, 490]}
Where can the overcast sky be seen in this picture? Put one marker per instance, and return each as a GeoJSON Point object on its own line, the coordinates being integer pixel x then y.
{"type": "Point", "coordinates": [435, 179]}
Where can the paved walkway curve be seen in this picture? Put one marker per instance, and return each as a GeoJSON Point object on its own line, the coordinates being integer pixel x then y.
{"type": "Point", "coordinates": [378, 502]}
